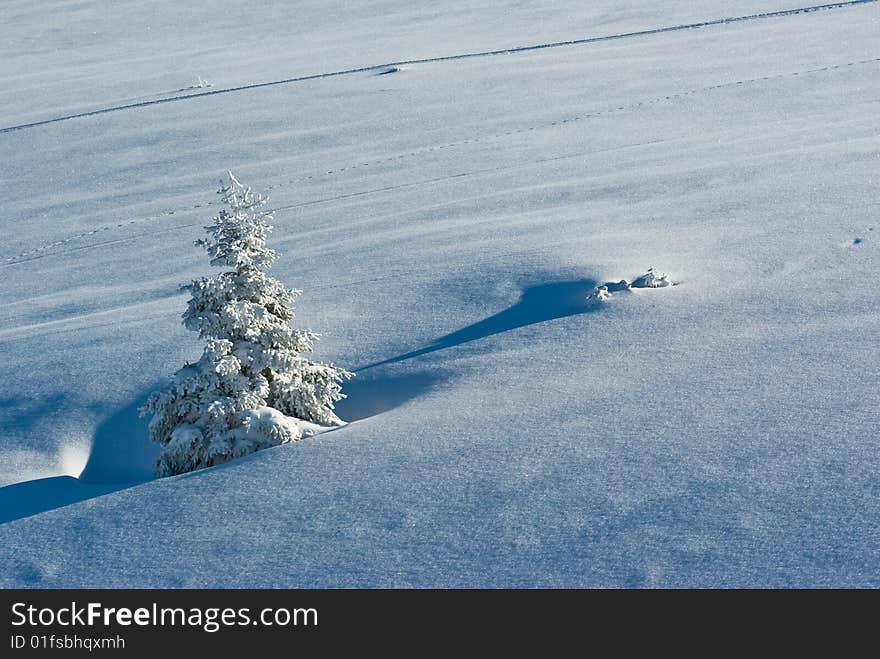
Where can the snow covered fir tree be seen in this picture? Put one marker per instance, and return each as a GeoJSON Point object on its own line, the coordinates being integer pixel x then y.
{"type": "Point", "coordinates": [253, 386]}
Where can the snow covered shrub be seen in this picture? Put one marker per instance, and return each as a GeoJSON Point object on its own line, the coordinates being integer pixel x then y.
{"type": "Point", "coordinates": [599, 293]}
{"type": "Point", "coordinates": [253, 387]}
{"type": "Point", "coordinates": [651, 279]}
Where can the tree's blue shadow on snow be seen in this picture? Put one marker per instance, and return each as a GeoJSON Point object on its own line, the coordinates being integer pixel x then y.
{"type": "Point", "coordinates": [372, 394]}
{"type": "Point", "coordinates": [537, 304]}
{"type": "Point", "coordinates": [121, 456]}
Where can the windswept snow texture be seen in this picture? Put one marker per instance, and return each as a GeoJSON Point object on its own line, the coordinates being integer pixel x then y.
{"type": "Point", "coordinates": [447, 222]}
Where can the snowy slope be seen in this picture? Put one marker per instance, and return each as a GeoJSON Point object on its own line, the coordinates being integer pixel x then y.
{"type": "Point", "coordinates": [446, 222]}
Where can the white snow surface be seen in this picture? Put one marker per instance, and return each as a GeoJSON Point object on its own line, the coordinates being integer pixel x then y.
{"type": "Point", "coordinates": [446, 222]}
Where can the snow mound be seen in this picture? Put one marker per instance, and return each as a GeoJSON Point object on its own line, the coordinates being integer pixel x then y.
{"type": "Point", "coordinates": [260, 428]}
{"type": "Point", "coordinates": [266, 426]}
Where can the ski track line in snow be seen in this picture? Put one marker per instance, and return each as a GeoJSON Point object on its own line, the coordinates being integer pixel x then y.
{"type": "Point", "coordinates": [572, 119]}
{"type": "Point", "coordinates": [448, 58]}
{"type": "Point", "coordinates": [35, 253]}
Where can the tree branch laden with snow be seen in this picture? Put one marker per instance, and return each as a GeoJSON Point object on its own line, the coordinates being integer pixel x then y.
{"type": "Point", "coordinates": [253, 386]}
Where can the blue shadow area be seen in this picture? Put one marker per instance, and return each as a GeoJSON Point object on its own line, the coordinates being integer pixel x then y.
{"type": "Point", "coordinates": [27, 413]}
{"type": "Point", "coordinates": [537, 304]}
{"type": "Point", "coordinates": [122, 456]}
{"type": "Point", "coordinates": [121, 449]}
{"type": "Point", "coordinates": [372, 394]}
{"type": "Point", "coordinates": [37, 496]}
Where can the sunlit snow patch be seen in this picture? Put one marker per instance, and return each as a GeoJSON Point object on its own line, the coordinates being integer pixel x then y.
{"type": "Point", "coordinates": [72, 459]}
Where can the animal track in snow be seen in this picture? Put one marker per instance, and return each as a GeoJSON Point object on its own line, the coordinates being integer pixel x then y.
{"type": "Point", "coordinates": [651, 279]}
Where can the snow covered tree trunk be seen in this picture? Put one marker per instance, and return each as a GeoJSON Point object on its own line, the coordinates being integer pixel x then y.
{"type": "Point", "coordinates": [252, 387]}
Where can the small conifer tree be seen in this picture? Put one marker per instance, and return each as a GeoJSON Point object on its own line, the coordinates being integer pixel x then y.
{"type": "Point", "coordinates": [253, 386]}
